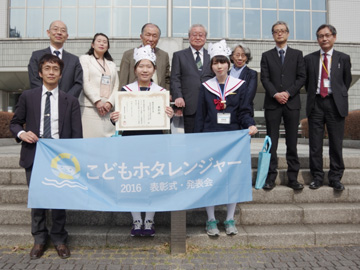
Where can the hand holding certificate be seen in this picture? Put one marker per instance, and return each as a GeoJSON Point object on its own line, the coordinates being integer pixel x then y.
{"type": "Point", "coordinates": [142, 110]}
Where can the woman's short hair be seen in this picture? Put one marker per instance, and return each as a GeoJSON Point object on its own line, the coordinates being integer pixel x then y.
{"type": "Point", "coordinates": [247, 52]}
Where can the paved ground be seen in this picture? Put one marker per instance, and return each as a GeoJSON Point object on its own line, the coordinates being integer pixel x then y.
{"type": "Point", "coordinates": [329, 258]}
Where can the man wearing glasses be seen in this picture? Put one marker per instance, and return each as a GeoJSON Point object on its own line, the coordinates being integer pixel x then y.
{"type": "Point", "coordinates": [282, 75]}
{"type": "Point", "coordinates": [328, 81]}
{"type": "Point", "coordinates": [72, 75]}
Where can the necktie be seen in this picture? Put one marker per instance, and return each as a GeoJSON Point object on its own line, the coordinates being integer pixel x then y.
{"type": "Point", "coordinates": [324, 75]}
{"type": "Point", "coordinates": [282, 56]}
{"type": "Point", "coordinates": [198, 61]}
{"type": "Point", "coordinates": [47, 118]}
{"type": "Point", "coordinates": [57, 53]}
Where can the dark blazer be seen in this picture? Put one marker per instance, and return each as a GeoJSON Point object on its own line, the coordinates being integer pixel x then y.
{"type": "Point", "coordinates": [185, 80]}
{"type": "Point", "coordinates": [250, 78]}
{"type": "Point", "coordinates": [236, 104]}
{"type": "Point", "coordinates": [72, 75]}
{"type": "Point", "coordinates": [340, 79]}
{"type": "Point", "coordinates": [127, 74]}
{"type": "Point", "coordinates": [276, 77]}
{"type": "Point", "coordinates": [27, 111]}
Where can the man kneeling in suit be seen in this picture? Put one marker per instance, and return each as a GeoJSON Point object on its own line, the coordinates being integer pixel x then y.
{"type": "Point", "coordinates": [47, 112]}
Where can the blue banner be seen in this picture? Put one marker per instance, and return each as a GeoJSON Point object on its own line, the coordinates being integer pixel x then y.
{"type": "Point", "coordinates": [142, 173]}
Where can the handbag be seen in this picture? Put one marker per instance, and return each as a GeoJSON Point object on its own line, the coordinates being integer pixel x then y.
{"type": "Point", "coordinates": [263, 164]}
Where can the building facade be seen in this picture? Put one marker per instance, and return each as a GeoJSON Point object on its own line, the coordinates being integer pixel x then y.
{"type": "Point", "coordinates": [23, 25]}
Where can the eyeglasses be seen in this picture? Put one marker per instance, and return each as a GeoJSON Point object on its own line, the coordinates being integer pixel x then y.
{"type": "Point", "coordinates": [276, 32]}
{"type": "Point", "coordinates": [326, 35]}
{"type": "Point", "coordinates": [57, 29]}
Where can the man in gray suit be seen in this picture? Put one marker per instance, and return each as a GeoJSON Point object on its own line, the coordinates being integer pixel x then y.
{"type": "Point", "coordinates": [150, 35]}
{"type": "Point", "coordinates": [327, 84]}
{"type": "Point", "coordinates": [190, 67]}
{"type": "Point", "coordinates": [72, 75]}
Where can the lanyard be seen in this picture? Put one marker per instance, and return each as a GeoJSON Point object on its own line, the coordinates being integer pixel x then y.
{"type": "Point", "coordinates": [102, 66]}
{"type": "Point", "coordinates": [222, 91]}
{"type": "Point", "coordinates": [323, 64]}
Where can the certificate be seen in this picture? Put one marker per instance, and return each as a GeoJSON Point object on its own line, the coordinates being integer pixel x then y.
{"type": "Point", "coordinates": [142, 110]}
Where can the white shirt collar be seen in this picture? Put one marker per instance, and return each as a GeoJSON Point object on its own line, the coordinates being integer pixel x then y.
{"type": "Point", "coordinates": [201, 51]}
{"type": "Point", "coordinates": [60, 50]}
{"type": "Point", "coordinates": [328, 53]}
{"type": "Point", "coordinates": [55, 91]}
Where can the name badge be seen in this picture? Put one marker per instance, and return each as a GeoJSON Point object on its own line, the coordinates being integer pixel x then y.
{"type": "Point", "coordinates": [326, 83]}
{"type": "Point", "coordinates": [223, 118]}
{"type": "Point", "coordinates": [105, 79]}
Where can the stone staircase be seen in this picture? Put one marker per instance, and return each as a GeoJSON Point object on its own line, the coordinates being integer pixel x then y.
{"type": "Point", "coordinates": [278, 218]}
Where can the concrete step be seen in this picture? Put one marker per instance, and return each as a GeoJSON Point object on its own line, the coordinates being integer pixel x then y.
{"type": "Point", "coordinates": [255, 236]}
{"type": "Point", "coordinates": [350, 161]}
{"type": "Point", "coordinates": [12, 176]}
{"type": "Point", "coordinates": [12, 194]}
{"type": "Point", "coordinates": [245, 214]}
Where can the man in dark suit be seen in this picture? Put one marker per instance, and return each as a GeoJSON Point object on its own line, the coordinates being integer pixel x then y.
{"type": "Point", "coordinates": [282, 75]}
{"type": "Point", "coordinates": [190, 67]}
{"type": "Point", "coordinates": [72, 77]}
{"type": "Point", "coordinates": [328, 81]}
{"type": "Point", "coordinates": [150, 35]}
{"type": "Point", "coordinates": [46, 112]}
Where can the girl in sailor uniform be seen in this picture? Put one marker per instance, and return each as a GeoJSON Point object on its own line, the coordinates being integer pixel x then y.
{"type": "Point", "coordinates": [222, 106]}
{"type": "Point", "coordinates": [144, 70]}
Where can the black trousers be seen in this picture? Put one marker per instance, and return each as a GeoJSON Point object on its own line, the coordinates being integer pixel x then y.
{"type": "Point", "coordinates": [58, 234]}
{"type": "Point", "coordinates": [291, 123]}
{"type": "Point", "coordinates": [189, 123]}
{"type": "Point", "coordinates": [326, 113]}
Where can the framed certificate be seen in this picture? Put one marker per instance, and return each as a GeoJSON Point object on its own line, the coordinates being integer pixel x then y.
{"type": "Point", "coordinates": [142, 110]}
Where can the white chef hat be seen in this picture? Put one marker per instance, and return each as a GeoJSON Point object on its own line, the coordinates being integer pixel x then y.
{"type": "Point", "coordinates": [219, 48]}
{"type": "Point", "coordinates": [144, 52]}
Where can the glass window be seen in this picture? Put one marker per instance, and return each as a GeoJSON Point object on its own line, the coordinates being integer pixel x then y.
{"type": "Point", "coordinates": [179, 22]}
{"type": "Point", "coordinates": [34, 3]}
{"type": "Point", "coordinates": [85, 22]}
{"type": "Point", "coordinates": [268, 3]}
{"type": "Point", "coordinates": [199, 3]}
{"type": "Point", "coordinates": [268, 19]}
{"type": "Point", "coordinates": [302, 4]}
{"type": "Point", "coordinates": [158, 16]}
{"type": "Point", "coordinates": [181, 3]}
{"type": "Point", "coordinates": [318, 18]}
{"type": "Point", "coordinates": [121, 3]}
{"type": "Point", "coordinates": [17, 3]}
{"type": "Point", "coordinates": [218, 3]}
{"type": "Point", "coordinates": [103, 2]}
{"type": "Point", "coordinates": [33, 24]}
{"type": "Point", "coordinates": [86, 2]}
{"type": "Point", "coordinates": [303, 30]}
{"type": "Point", "coordinates": [158, 2]}
{"type": "Point", "coordinates": [318, 4]}
{"type": "Point", "coordinates": [120, 22]}
{"type": "Point", "coordinates": [67, 3]}
{"type": "Point", "coordinates": [50, 15]}
{"type": "Point", "coordinates": [252, 3]}
{"type": "Point", "coordinates": [286, 4]}
{"type": "Point", "coordinates": [103, 20]}
{"type": "Point", "coordinates": [68, 16]}
{"type": "Point", "coordinates": [252, 25]}
{"type": "Point", "coordinates": [51, 3]}
{"type": "Point", "coordinates": [139, 2]}
{"type": "Point", "coordinates": [288, 17]}
{"type": "Point", "coordinates": [199, 15]}
{"type": "Point", "coordinates": [236, 26]}
{"type": "Point", "coordinates": [217, 23]}
{"type": "Point", "coordinates": [17, 23]}
{"type": "Point", "coordinates": [139, 16]}
{"type": "Point", "coordinates": [236, 3]}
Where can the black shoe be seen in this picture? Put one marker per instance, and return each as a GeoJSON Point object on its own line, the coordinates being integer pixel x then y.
{"type": "Point", "coordinates": [269, 186]}
{"type": "Point", "coordinates": [37, 251]}
{"type": "Point", "coordinates": [315, 184]}
{"type": "Point", "coordinates": [295, 186]}
{"type": "Point", "coordinates": [336, 185]}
